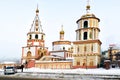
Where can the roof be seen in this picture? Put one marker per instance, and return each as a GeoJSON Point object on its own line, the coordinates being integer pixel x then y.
{"type": "Point", "coordinates": [8, 62]}
{"type": "Point", "coordinates": [88, 15]}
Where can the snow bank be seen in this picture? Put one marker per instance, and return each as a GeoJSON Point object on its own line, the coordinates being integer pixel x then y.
{"type": "Point", "coordinates": [100, 71]}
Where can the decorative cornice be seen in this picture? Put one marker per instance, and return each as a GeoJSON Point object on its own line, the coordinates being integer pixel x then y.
{"type": "Point", "coordinates": [88, 29]}
{"type": "Point", "coordinates": [88, 54]}
{"type": "Point", "coordinates": [61, 42]}
{"type": "Point", "coordinates": [87, 41]}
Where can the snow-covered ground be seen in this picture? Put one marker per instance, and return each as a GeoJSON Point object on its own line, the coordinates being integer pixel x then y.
{"type": "Point", "coordinates": [70, 74]}
{"type": "Point", "coordinates": [100, 71]}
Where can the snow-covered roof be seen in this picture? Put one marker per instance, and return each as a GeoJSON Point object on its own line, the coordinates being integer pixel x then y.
{"type": "Point", "coordinates": [8, 62]}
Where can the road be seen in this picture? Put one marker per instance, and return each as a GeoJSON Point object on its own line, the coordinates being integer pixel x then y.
{"type": "Point", "coordinates": [19, 78]}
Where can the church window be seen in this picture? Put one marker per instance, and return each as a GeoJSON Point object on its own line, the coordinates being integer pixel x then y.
{"type": "Point", "coordinates": [30, 37]}
{"type": "Point", "coordinates": [84, 64]}
{"type": "Point", "coordinates": [91, 63]}
{"type": "Point", "coordinates": [85, 24]}
{"type": "Point", "coordinates": [36, 36]}
{"type": "Point", "coordinates": [78, 63]}
{"type": "Point", "coordinates": [63, 48]}
{"type": "Point", "coordinates": [85, 36]}
{"type": "Point", "coordinates": [28, 54]}
{"type": "Point", "coordinates": [42, 37]}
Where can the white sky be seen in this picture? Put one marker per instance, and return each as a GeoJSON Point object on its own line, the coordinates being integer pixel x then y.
{"type": "Point", "coordinates": [16, 16]}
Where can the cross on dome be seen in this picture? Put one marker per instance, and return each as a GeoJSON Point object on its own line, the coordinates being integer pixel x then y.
{"type": "Point", "coordinates": [88, 6]}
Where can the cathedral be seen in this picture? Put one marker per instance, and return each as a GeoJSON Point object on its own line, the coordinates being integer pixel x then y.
{"type": "Point", "coordinates": [84, 52]}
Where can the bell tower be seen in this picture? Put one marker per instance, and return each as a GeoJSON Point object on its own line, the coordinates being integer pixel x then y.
{"type": "Point", "coordinates": [35, 48]}
{"type": "Point", "coordinates": [87, 46]}
{"type": "Point", "coordinates": [36, 35]}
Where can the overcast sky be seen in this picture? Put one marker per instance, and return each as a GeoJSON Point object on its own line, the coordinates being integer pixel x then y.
{"type": "Point", "coordinates": [16, 16]}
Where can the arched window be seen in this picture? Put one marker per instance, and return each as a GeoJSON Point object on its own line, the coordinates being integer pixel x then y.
{"type": "Point", "coordinates": [78, 63]}
{"type": "Point", "coordinates": [42, 37]}
{"type": "Point", "coordinates": [85, 36]}
{"type": "Point", "coordinates": [85, 24]}
{"type": "Point", "coordinates": [91, 63]}
{"type": "Point", "coordinates": [36, 36]}
{"type": "Point", "coordinates": [28, 54]}
{"type": "Point", "coordinates": [30, 36]}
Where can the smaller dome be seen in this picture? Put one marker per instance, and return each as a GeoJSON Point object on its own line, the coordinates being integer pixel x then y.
{"type": "Point", "coordinates": [37, 11]}
{"type": "Point", "coordinates": [88, 7]}
{"type": "Point", "coordinates": [62, 32]}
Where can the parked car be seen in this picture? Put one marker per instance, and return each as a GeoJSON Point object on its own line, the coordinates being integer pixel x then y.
{"type": "Point", "coordinates": [10, 70]}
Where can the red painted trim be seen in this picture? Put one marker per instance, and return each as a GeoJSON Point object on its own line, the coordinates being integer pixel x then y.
{"type": "Point", "coordinates": [31, 64]}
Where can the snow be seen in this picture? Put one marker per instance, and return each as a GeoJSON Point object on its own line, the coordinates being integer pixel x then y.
{"type": "Point", "coordinates": [70, 74]}
{"type": "Point", "coordinates": [8, 62]}
{"type": "Point", "coordinates": [100, 71]}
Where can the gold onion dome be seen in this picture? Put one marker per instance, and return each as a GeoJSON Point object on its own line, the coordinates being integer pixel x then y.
{"type": "Point", "coordinates": [37, 11]}
{"type": "Point", "coordinates": [88, 7]}
{"type": "Point", "coordinates": [62, 31]}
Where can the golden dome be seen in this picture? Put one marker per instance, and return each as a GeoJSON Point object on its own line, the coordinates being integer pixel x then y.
{"type": "Point", "coordinates": [88, 7]}
{"type": "Point", "coordinates": [62, 31]}
{"type": "Point", "coordinates": [37, 11]}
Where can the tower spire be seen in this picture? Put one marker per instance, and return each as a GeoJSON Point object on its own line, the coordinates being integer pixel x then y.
{"type": "Point", "coordinates": [62, 33]}
{"type": "Point", "coordinates": [37, 10]}
{"type": "Point", "coordinates": [88, 6]}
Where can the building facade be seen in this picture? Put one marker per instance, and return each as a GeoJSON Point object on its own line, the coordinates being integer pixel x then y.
{"type": "Point", "coordinates": [87, 47]}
